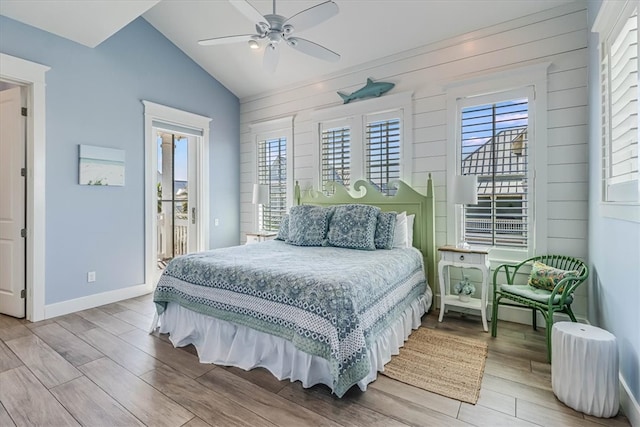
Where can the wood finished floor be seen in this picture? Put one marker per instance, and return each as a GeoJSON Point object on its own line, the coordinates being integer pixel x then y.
{"type": "Point", "coordinates": [99, 367]}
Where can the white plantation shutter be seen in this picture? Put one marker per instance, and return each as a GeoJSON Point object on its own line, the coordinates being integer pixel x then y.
{"type": "Point", "coordinates": [272, 171]}
{"type": "Point", "coordinates": [382, 153]}
{"type": "Point", "coordinates": [364, 141]}
{"type": "Point", "coordinates": [619, 85]}
{"type": "Point", "coordinates": [495, 147]}
{"type": "Point", "coordinates": [335, 148]}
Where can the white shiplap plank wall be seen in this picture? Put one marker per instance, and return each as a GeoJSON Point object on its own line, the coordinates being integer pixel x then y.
{"type": "Point", "coordinates": [558, 36]}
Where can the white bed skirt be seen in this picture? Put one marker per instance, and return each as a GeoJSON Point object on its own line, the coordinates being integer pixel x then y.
{"type": "Point", "coordinates": [223, 343]}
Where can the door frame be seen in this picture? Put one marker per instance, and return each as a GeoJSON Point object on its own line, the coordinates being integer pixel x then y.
{"type": "Point", "coordinates": [162, 113]}
{"type": "Point", "coordinates": [31, 75]}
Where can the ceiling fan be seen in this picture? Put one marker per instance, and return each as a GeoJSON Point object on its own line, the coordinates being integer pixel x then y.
{"type": "Point", "coordinates": [276, 29]}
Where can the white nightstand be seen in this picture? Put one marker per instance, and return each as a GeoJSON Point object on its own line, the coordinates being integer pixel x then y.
{"type": "Point", "coordinates": [260, 237]}
{"type": "Point", "coordinates": [451, 256]}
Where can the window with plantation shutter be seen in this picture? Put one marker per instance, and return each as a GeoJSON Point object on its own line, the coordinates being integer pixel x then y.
{"type": "Point", "coordinates": [335, 148]}
{"type": "Point", "coordinates": [272, 171]}
{"type": "Point", "coordinates": [382, 153]}
{"type": "Point", "coordinates": [494, 145]}
{"type": "Point", "coordinates": [619, 86]}
{"type": "Point", "coordinates": [364, 140]}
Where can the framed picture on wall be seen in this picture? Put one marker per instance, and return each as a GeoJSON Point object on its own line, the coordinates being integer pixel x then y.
{"type": "Point", "coordinates": [101, 166]}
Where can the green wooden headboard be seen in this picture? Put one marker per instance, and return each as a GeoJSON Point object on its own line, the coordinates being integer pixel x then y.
{"type": "Point", "coordinates": [405, 199]}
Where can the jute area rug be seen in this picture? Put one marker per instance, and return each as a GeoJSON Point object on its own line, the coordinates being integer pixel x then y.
{"type": "Point", "coordinates": [441, 363]}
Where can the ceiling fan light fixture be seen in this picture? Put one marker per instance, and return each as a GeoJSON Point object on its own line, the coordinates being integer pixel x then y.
{"type": "Point", "coordinates": [274, 29]}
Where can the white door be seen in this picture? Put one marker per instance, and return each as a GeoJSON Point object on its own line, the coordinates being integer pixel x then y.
{"type": "Point", "coordinates": [177, 189]}
{"type": "Point", "coordinates": [12, 203]}
{"type": "Point", "coordinates": [192, 177]}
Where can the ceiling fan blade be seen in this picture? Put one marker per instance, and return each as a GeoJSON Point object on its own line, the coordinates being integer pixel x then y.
{"type": "Point", "coordinates": [226, 40]}
{"type": "Point", "coordinates": [313, 49]}
{"type": "Point", "coordinates": [271, 56]}
{"type": "Point", "coordinates": [249, 11]}
{"type": "Point", "coordinates": [313, 16]}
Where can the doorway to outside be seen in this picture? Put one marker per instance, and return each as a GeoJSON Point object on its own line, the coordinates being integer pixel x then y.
{"type": "Point", "coordinates": [177, 186]}
{"type": "Point", "coordinates": [176, 183]}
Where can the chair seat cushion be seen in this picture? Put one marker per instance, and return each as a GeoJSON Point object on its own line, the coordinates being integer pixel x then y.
{"type": "Point", "coordinates": [536, 294]}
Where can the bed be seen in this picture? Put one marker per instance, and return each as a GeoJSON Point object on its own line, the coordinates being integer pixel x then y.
{"type": "Point", "coordinates": [315, 314]}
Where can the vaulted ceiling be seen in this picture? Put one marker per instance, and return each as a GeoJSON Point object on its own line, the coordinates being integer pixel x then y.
{"type": "Point", "coordinates": [363, 30]}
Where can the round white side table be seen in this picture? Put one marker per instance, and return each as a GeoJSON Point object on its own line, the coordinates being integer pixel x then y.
{"type": "Point", "coordinates": [584, 368]}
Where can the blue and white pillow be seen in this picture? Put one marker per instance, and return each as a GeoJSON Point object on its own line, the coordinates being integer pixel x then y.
{"type": "Point", "coordinates": [308, 225]}
{"type": "Point", "coordinates": [385, 230]}
{"type": "Point", "coordinates": [353, 227]}
{"type": "Point", "coordinates": [283, 230]}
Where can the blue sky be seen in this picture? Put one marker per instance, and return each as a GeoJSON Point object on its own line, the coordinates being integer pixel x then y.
{"type": "Point", "coordinates": [476, 123]}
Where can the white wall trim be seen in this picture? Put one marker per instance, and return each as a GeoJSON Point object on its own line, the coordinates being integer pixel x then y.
{"type": "Point", "coordinates": [169, 115]}
{"type": "Point", "coordinates": [274, 128]}
{"type": "Point", "coordinates": [355, 114]}
{"type": "Point", "coordinates": [32, 75]}
{"type": "Point", "coordinates": [484, 84]}
{"type": "Point", "coordinates": [281, 123]}
{"type": "Point", "coordinates": [622, 211]}
{"type": "Point", "coordinates": [629, 404]}
{"type": "Point", "coordinates": [608, 15]}
{"type": "Point", "coordinates": [95, 300]}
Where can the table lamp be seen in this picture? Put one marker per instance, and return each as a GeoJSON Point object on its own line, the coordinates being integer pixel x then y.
{"type": "Point", "coordinates": [260, 196]}
{"type": "Point", "coordinates": [465, 192]}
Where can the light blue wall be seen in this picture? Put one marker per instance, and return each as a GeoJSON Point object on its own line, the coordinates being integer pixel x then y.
{"type": "Point", "coordinates": [93, 96]}
{"type": "Point", "coordinates": [614, 248]}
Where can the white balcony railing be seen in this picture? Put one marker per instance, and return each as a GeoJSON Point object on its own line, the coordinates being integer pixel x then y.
{"type": "Point", "coordinates": [180, 237]}
{"type": "Point", "coordinates": [503, 226]}
{"type": "Point", "coordinates": [508, 232]}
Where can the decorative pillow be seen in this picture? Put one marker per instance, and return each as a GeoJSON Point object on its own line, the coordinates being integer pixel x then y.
{"type": "Point", "coordinates": [308, 225]}
{"type": "Point", "coordinates": [353, 227]}
{"type": "Point", "coordinates": [546, 277]}
{"type": "Point", "coordinates": [385, 229]}
{"type": "Point", "coordinates": [410, 219]}
{"type": "Point", "coordinates": [283, 231]}
{"type": "Point", "coordinates": [400, 233]}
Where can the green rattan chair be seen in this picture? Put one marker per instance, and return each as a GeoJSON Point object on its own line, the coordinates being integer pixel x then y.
{"type": "Point", "coordinates": [547, 302]}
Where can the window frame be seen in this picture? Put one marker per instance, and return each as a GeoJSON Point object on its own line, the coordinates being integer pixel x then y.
{"type": "Point", "coordinates": [267, 130]}
{"type": "Point", "coordinates": [608, 23]}
{"type": "Point", "coordinates": [329, 125]}
{"type": "Point", "coordinates": [381, 117]}
{"type": "Point", "coordinates": [495, 98]}
{"type": "Point", "coordinates": [357, 115]}
{"type": "Point", "coordinates": [482, 89]}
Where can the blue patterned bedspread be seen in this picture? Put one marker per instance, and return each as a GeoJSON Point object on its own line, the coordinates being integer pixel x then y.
{"type": "Point", "coordinates": [329, 302]}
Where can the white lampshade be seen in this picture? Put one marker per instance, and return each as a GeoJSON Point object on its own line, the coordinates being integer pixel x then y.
{"type": "Point", "coordinates": [465, 189]}
{"type": "Point", "coordinates": [260, 194]}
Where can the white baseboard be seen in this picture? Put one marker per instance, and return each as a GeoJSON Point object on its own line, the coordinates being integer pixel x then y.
{"type": "Point", "coordinates": [629, 404]}
{"type": "Point", "coordinates": [523, 315]}
{"type": "Point", "coordinates": [514, 314]}
{"type": "Point", "coordinates": [95, 300]}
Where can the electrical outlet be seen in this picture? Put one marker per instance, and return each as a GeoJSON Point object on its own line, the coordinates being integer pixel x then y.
{"type": "Point", "coordinates": [91, 276]}
{"type": "Point", "coordinates": [216, 222]}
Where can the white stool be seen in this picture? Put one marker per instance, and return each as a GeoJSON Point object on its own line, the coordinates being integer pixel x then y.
{"type": "Point", "coordinates": [584, 368]}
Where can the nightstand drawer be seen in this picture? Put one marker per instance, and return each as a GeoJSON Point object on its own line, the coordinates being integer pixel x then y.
{"type": "Point", "coordinates": [469, 258]}
{"type": "Point", "coordinates": [252, 238]}
{"type": "Point", "coordinates": [260, 237]}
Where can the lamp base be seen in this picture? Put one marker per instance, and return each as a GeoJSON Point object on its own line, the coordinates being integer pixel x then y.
{"type": "Point", "coordinates": [463, 245]}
